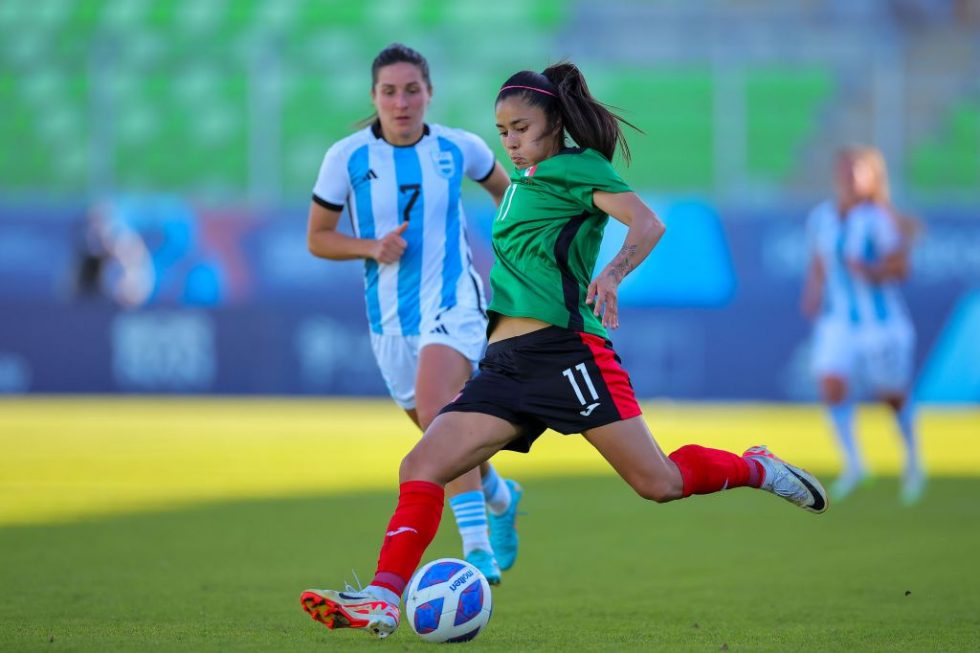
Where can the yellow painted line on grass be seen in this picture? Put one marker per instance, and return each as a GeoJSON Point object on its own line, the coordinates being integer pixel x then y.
{"type": "Point", "coordinates": [69, 458]}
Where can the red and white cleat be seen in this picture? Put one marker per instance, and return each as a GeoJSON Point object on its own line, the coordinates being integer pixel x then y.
{"type": "Point", "coordinates": [351, 610]}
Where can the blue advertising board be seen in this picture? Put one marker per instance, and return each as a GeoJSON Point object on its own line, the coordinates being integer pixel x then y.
{"type": "Point", "coordinates": [238, 305]}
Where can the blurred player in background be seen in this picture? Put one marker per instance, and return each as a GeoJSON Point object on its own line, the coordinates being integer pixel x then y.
{"type": "Point", "coordinates": [859, 252]}
{"type": "Point", "coordinates": [400, 179]}
{"type": "Point", "coordinates": [112, 260]}
{"type": "Point", "coordinates": [549, 364]}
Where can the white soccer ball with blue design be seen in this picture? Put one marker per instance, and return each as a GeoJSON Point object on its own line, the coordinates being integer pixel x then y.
{"type": "Point", "coordinates": [448, 600]}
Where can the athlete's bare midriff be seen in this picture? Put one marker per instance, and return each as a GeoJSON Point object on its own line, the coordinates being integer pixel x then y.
{"type": "Point", "coordinates": [510, 327]}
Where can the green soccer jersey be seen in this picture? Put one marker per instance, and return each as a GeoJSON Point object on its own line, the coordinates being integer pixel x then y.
{"type": "Point", "coordinates": [546, 239]}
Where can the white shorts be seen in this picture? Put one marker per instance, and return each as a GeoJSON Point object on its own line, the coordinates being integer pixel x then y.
{"type": "Point", "coordinates": [834, 349]}
{"type": "Point", "coordinates": [887, 356]}
{"type": "Point", "coordinates": [881, 355]}
{"type": "Point", "coordinates": [464, 328]}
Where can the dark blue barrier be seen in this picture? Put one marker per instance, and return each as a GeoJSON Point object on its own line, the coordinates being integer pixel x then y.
{"type": "Point", "coordinates": [99, 348]}
{"type": "Point", "coordinates": [713, 314]}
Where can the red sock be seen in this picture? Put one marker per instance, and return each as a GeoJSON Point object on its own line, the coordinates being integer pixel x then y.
{"type": "Point", "coordinates": [409, 533]}
{"type": "Point", "coordinates": [707, 470]}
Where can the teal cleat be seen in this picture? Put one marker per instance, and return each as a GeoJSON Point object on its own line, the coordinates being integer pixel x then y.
{"type": "Point", "coordinates": [913, 486]}
{"type": "Point", "coordinates": [848, 482]}
{"type": "Point", "coordinates": [503, 529]}
{"type": "Point", "coordinates": [486, 563]}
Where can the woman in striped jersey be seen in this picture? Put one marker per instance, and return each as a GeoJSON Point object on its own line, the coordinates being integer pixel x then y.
{"type": "Point", "coordinates": [400, 180]}
{"type": "Point", "coordinates": [859, 252]}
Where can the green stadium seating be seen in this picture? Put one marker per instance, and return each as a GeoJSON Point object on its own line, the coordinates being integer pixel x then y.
{"type": "Point", "coordinates": [782, 111]}
{"type": "Point", "coordinates": [673, 108]}
{"type": "Point", "coordinates": [185, 140]}
{"type": "Point", "coordinates": [178, 72]}
{"type": "Point", "coordinates": [950, 160]}
{"type": "Point", "coordinates": [312, 120]}
{"type": "Point", "coordinates": [45, 133]}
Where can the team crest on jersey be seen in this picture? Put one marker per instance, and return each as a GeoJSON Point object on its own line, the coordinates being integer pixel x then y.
{"type": "Point", "coordinates": [445, 163]}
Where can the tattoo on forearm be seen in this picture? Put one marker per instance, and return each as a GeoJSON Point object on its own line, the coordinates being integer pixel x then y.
{"type": "Point", "coordinates": [622, 264]}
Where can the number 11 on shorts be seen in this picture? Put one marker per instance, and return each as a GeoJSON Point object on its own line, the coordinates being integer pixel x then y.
{"type": "Point", "coordinates": [570, 375]}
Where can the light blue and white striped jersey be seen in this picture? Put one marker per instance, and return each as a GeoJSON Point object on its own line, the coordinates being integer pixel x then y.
{"type": "Point", "coordinates": [867, 234]}
{"type": "Point", "coordinates": [826, 236]}
{"type": "Point", "coordinates": [872, 234]}
{"type": "Point", "coordinates": [383, 185]}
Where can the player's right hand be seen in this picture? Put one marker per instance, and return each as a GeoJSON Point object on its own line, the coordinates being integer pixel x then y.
{"type": "Point", "coordinates": [603, 294]}
{"type": "Point", "coordinates": [390, 247]}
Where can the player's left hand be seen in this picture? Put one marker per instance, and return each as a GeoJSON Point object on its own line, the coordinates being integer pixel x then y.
{"type": "Point", "coordinates": [603, 293]}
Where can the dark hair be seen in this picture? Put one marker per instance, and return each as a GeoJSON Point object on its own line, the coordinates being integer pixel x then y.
{"type": "Point", "coordinates": [395, 53]}
{"type": "Point", "coordinates": [398, 53]}
{"type": "Point", "coordinates": [563, 95]}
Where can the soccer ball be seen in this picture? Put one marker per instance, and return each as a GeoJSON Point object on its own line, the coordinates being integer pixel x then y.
{"type": "Point", "coordinates": [448, 600]}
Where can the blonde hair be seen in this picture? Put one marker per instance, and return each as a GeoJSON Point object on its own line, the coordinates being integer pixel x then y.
{"type": "Point", "coordinates": [873, 158]}
{"type": "Point", "coordinates": [881, 188]}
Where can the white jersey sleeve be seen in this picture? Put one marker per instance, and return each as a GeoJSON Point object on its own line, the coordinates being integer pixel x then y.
{"type": "Point", "coordinates": [478, 159]}
{"type": "Point", "coordinates": [812, 230]}
{"type": "Point", "coordinates": [333, 182]}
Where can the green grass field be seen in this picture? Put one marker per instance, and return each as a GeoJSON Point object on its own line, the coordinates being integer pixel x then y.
{"type": "Point", "coordinates": [194, 524]}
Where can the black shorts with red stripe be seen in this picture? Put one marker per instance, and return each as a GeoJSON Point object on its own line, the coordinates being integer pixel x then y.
{"type": "Point", "coordinates": [553, 378]}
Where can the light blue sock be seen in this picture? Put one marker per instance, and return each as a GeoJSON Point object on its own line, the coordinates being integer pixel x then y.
{"type": "Point", "coordinates": [906, 426]}
{"type": "Point", "coordinates": [842, 418]}
{"type": "Point", "coordinates": [471, 520]}
{"type": "Point", "coordinates": [496, 492]}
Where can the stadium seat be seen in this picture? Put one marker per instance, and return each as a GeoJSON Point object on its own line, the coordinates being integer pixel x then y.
{"type": "Point", "coordinates": [168, 133]}
{"type": "Point", "coordinates": [782, 110]}
{"type": "Point", "coordinates": [673, 108]}
{"type": "Point", "coordinates": [951, 159]}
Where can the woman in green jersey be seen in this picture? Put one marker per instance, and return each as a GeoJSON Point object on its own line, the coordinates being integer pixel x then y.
{"type": "Point", "coordinates": [548, 363]}
{"type": "Point", "coordinates": [399, 179]}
